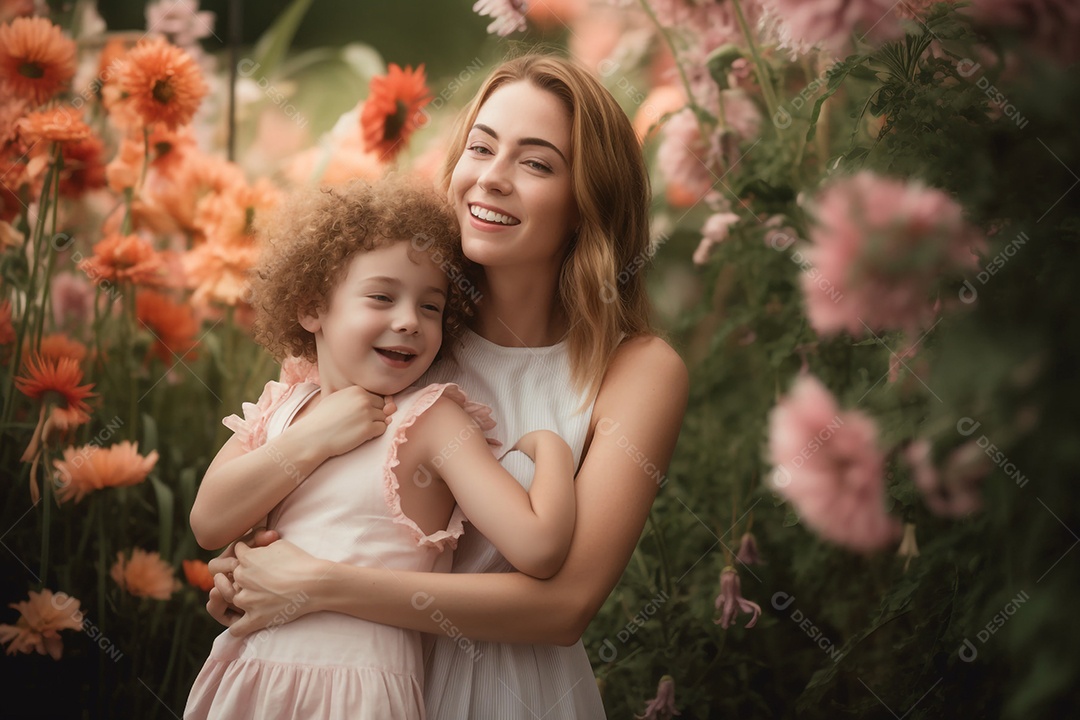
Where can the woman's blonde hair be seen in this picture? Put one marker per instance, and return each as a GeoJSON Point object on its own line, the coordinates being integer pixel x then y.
{"type": "Point", "coordinates": [602, 284]}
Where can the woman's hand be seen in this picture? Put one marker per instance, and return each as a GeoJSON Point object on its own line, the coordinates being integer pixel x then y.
{"type": "Point", "coordinates": [272, 585]}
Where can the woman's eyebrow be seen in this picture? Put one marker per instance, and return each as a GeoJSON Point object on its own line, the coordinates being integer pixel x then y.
{"type": "Point", "coordinates": [522, 141]}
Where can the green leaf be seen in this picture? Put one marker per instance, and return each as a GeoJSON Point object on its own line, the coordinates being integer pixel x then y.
{"type": "Point", "coordinates": [150, 434]}
{"type": "Point", "coordinates": [274, 44]}
{"type": "Point", "coordinates": [165, 516]}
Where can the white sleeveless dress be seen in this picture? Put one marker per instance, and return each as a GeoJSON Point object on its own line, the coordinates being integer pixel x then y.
{"type": "Point", "coordinates": [528, 389]}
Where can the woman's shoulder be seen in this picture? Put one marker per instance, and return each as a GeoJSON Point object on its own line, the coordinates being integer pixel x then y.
{"type": "Point", "coordinates": [640, 365]}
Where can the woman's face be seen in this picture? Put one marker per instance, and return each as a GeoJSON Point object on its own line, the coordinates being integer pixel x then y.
{"type": "Point", "coordinates": [511, 188]}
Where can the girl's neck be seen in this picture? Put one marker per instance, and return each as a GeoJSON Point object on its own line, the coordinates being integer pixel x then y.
{"type": "Point", "coordinates": [517, 310]}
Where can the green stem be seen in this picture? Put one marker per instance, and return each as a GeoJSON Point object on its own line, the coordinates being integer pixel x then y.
{"type": "Point", "coordinates": [691, 100]}
{"type": "Point", "coordinates": [661, 547]}
{"type": "Point", "coordinates": [764, 78]}
{"type": "Point", "coordinates": [46, 515]}
{"type": "Point", "coordinates": [129, 351]}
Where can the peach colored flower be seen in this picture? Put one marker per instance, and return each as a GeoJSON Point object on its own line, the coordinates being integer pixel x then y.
{"type": "Point", "coordinates": [229, 215]}
{"type": "Point", "coordinates": [41, 618]}
{"type": "Point", "coordinates": [391, 112]}
{"type": "Point", "coordinates": [880, 249]}
{"type": "Point", "coordinates": [161, 83]}
{"type": "Point", "coordinates": [834, 24]}
{"type": "Point", "coordinates": [730, 600]}
{"type": "Point", "coordinates": [124, 171]}
{"type": "Point", "coordinates": [56, 124]}
{"type": "Point", "coordinates": [145, 574]}
{"type": "Point", "coordinates": [197, 176]}
{"type": "Point", "coordinates": [828, 465]}
{"type": "Point", "coordinates": [661, 707]}
{"type": "Point", "coordinates": [7, 329]}
{"type": "Point", "coordinates": [167, 147]}
{"type": "Point", "coordinates": [91, 467]}
{"type": "Point", "coordinates": [507, 16]}
{"type": "Point", "coordinates": [172, 325]}
{"type": "Point", "coordinates": [198, 574]}
{"type": "Point", "coordinates": [84, 167]}
{"type": "Point", "coordinates": [56, 346]}
{"type": "Point", "coordinates": [552, 14]}
{"type": "Point", "coordinates": [124, 259]}
{"type": "Point", "coordinates": [217, 271]}
{"type": "Point", "coordinates": [36, 59]}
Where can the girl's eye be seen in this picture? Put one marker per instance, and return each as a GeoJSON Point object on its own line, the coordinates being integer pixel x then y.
{"type": "Point", "coordinates": [432, 308]}
{"type": "Point", "coordinates": [380, 298]}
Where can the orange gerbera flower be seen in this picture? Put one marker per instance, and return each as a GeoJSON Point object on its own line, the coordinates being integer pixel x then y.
{"type": "Point", "coordinates": [91, 467]}
{"type": "Point", "coordinates": [56, 384]}
{"type": "Point", "coordinates": [391, 112]}
{"type": "Point", "coordinates": [124, 258]}
{"type": "Point", "coordinates": [41, 618]}
{"type": "Point", "coordinates": [58, 346]}
{"type": "Point", "coordinates": [57, 124]}
{"type": "Point", "coordinates": [198, 175]}
{"type": "Point", "coordinates": [198, 574]}
{"type": "Point", "coordinates": [84, 167]}
{"type": "Point", "coordinates": [229, 215]}
{"type": "Point", "coordinates": [36, 60]}
{"type": "Point", "coordinates": [11, 111]}
{"type": "Point", "coordinates": [173, 326]}
{"type": "Point", "coordinates": [161, 83]}
{"type": "Point", "coordinates": [7, 330]}
{"type": "Point", "coordinates": [218, 271]}
{"type": "Point", "coordinates": [144, 575]}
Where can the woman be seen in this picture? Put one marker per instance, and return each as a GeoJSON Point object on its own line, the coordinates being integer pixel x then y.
{"type": "Point", "coordinates": [547, 180]}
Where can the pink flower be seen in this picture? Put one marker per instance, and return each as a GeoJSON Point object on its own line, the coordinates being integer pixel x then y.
{"type": "Point", "coordinates": [180, 20]}
{"type": "Point", "coordinates": [833, 23]}
{"type": "Point", "coordinates": [684, 158]}
{"type": "Point", "coordinates": [41, 618]}
{"type": "Point", "coordinates": [508, 16]}
{"type": "Point", "coordinates": [828, 465]}
{"type": "Point", "coordinates": [748, 550]}
{"type": "Point", "coordinates": [72, 300]}
{"type": "Point", "coordinates": [1051, 26]}
{"type": "Point", "coordinates": [662, 707]}
{"type": "Point", "coordinates": [955, 492]}
{"type": "Point", "coordinates": [713, 232]}
{"type": "Point", "coordinates": [880, 249]}
{"type": "Point", "coordinates": [730, 600]}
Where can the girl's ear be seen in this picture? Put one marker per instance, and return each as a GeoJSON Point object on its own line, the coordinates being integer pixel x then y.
{"type": "Point", "coordinates": [311, 323]}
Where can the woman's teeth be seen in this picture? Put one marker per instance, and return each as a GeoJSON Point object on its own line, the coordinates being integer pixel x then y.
{"type": "Point", "coordinates": [492, 216]}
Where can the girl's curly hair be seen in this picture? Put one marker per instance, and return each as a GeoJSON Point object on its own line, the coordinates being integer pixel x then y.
{"type": "Point", "coordinates": [310, 239]}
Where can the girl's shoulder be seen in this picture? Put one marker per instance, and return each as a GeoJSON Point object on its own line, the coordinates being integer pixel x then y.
{"type": "Point", "coordinates": [442, 403]}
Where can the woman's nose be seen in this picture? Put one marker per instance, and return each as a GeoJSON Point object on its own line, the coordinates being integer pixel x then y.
{"type": "Point", "coordinates": [496, 177]}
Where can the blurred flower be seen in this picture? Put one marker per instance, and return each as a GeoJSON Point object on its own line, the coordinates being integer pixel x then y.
{"type": "Point", "coordinates": [36, 59]}
{"type": "Point", "coordinates": [124, 171]}
{"type": "Point", "coordinates": [83, 167]}
{"type": "Point", "coordinates": [230, 215]}
{"type": "Point", "coordinates": [144, 575]}
{"type": "Point", "coordinates": [56, 384]}
{"type": "Point", "coordinates": [730, 600]}
{"type": "Point", "coordinates": [833, 23]}
{"type": "Point", "coordinates": [741, 113]}
{"type": "Point", "coordinates": [7, 330]}
{"type": "Point", "coordinates": [10, 9]}
{"type": "Point", "coordinates": [56, 124]}
{"type": "Point", "coordinates": [508, 16]}
{"type": "Point", "coordinates": [167, 147]}
{"type": "Point", "coordinates": [198, 574]}
{"type": "Point", "coordinates": [180, 20]}
{"type": "Point", "coordinates": [829, 467]}
{"type": "Point", "coordinates": [748, 550]}
{"type": "Point", "coordinates": [56, 346]}
{"type": "Point", "coordinates": [683, 157]}
{"type": "Point", "coordinates": [391, 112]}
{"type": "Point", "coordinates": [661, 100]}
{"type": "Point", "coordinates": [553, 13]}
{"type": "Point", "coordinates": [197, 176]}
{"type": "Point", "coordinates": [880, 249]}
{"type": "Point", "coordinates": [714, 232]}
{"type": "Point", "coordinates": [124, 259]}
{"type": "Point", "coordinates": [11, 111]}
{"type": "Point", "coordinates": [662, 707]}
{"type": "Point", "coordinates": [161, 83]}
{"type": "Point", "coordinates": [909, 548]}
{"type": "Point", "coordinates": [1051, 26]}
{"type": "Point", "coordinates": [741, 75]}
{"type": "Point", "coordinates": [91, 467]}
{"type": "Point", "coordinates": [72, 299]}
{"type": "Point", "coordinates": [41, 618]}
{"type": "Point", "coordinates": [955, 492]}
{"type": "Point", "coordinates": [896, 359]}
{"type": "Point", "coordinates": [217, 270]}
{"type": "Point", "coordinates": [173, 326]}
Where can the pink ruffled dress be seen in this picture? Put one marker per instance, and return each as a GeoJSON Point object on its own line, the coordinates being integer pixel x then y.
{"type": "Point", "coordinates": [329, 665]}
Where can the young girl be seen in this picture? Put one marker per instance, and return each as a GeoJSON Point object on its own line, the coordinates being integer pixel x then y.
{"type": "Point", "coordinates": [357, 280]}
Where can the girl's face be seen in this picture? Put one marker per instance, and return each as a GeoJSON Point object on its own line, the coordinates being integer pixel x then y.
{"type": "Point", "coordinates": [511, 189]}
{"type": "Point", "coordinates": [383, 325]}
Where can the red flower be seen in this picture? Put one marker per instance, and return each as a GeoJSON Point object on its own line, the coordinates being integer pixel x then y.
{"type": "Point", "coordinates": [198, 574]}
{"type": "Point", "coordinates": [391, 112]}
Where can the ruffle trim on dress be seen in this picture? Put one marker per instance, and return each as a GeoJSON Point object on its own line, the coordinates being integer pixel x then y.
{"type": "Point", "coordinates": [251, 429]}
{"type": "Point", "coordinates": [481, 414]}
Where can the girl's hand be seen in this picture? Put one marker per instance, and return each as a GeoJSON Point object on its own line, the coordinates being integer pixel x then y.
{"type": "Point", "coordinates": [220, 602]}
{"type": "Point", "coordinates": [346, 419]}
{"type": "Point", "coordinates": [531, 442]}
{"type": "Point", "coordinates": [273, 585]}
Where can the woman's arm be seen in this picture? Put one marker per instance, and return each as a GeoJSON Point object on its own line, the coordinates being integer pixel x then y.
{"type": "Point", "coordinates": [636, 423]}
{"type": "Point", "coordinates": [242, 487]}
{"type": "Point", "coordinates": [532, 530]}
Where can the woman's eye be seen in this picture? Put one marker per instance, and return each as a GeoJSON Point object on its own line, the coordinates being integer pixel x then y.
{"type": "Point", "coordinates": [537, 165]}
{"type": "Point", "coordinates": [479, 149]}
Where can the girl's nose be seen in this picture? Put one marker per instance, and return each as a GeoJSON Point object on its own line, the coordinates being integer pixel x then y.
{"type": "Point", "coordinates": [406, 320]}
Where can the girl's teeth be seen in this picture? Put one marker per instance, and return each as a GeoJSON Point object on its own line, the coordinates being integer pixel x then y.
{"type": "Point", "coordinates": [491, 216]}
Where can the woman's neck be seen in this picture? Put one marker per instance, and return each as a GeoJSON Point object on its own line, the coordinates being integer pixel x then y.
{"type": "Point", "coordinates": [519, 310]}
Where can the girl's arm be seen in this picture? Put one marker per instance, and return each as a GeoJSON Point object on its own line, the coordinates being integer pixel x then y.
{"type": "Point", "coordinates": [635, 422]}
{"type": "Point", "coordinates": [242, 487]}
{"type": "Point", "coordinates": [531, 529]}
